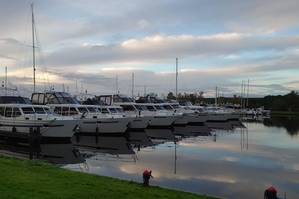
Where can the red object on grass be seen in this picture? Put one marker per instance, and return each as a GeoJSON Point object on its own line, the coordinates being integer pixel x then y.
{"type": "Point", "coordinates": [146, 172]}
{"type": "Point", "coordinates": [271, 189]}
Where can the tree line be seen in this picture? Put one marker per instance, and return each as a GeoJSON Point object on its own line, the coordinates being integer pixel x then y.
{"type": "Point", "coordinates": [288, 102]}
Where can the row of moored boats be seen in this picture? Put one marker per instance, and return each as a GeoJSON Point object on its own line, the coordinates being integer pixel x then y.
{"type": "Point", "coordinates": [60, 115]}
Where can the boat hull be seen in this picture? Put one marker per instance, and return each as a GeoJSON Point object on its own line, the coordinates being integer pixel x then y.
{"type": "Point", "coordinates": [139, 122]}
{"type": "Point", "coordinates": [161, 121]}
{"type": "Point", "coordinates": [105, 125]}
{"type": "Point", "coordinates": [46, 128]}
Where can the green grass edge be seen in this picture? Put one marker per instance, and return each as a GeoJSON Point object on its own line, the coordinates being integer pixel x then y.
{"type": "Point", "coordinates": [37, 179]}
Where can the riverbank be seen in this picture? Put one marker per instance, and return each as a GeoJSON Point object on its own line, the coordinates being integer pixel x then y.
{"type": "Point", "coordinates": [36, 179]}
{"type": "Point", "coordinates": [284, 114]}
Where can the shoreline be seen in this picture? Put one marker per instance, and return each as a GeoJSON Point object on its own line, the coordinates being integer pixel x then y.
{"type": "Point", "coordinates": [22, 178]}
{"type": "Point", "coordinates": [284, 114]}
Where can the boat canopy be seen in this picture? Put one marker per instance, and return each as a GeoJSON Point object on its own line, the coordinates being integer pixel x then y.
{"type": "Point", "coordinates": [14, 100]}
{"type": "Point", "coordinates": [53, 98]}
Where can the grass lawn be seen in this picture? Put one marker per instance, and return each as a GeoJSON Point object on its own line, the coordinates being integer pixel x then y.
{"type": "Point", "coordinates": [35, 179]}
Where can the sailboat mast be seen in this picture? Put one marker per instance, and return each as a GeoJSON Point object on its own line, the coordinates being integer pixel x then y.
{"type": "Point", "coordinates": [5, 83]}
{"type": "Point", "coordinates": [133, 84]}
{"type": "Point", "coordinates": [176, 78]}
{"type": "Point", "coordinates": [33, 48]}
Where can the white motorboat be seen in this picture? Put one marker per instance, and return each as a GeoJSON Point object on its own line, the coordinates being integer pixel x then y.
{"type": "Point", "coordinates": [26, 118]}
{"type": "Point", "coordinates": [158, 118]}
{"type": "Point", "coordinates": [92, 120]}
{"type": "Point", "coordinates": [190, 116]}
{"type": "Point", "coordinates": [136, 121]}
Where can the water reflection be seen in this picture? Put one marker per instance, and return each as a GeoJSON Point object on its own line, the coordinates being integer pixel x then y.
{"type": "Point", "coordinates": [290, 124]}
{"type": "Point", "coordinates": [217, 162]}
{"type": "Point", "coordinates": [64, 153]}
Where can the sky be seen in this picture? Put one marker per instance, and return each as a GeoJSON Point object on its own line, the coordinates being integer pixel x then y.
{"type": "Point", "coordinates": [92, 44]}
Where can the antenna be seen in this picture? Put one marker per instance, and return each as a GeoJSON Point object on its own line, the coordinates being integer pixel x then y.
{"type": "Point", "coordinates": [216, 96]}
{"type": "Point", "coordinates": [33, 48]}
{"type": "Point", "coordinates": [241, 96]}
{"type": "Point", "coordinates": [176, 78]}
{"type": "Point", "coordinates": [76, 87]}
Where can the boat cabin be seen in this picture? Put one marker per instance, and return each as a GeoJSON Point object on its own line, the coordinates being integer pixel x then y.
{"type": "Point", "coordinates": [17, 110]}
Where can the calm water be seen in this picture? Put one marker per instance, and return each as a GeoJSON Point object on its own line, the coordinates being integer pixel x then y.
{"type": "Point", "coordinates": [233, 164]}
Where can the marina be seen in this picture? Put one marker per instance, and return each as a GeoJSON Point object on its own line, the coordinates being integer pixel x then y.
{"type": "Point", "coordinates": [142, 99]}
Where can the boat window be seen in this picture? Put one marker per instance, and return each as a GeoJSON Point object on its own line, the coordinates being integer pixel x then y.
{"type": "Point", "coordinates": [8, 112]}
{"type": "Point", "coordinates": [57, 110]}
{"type": "Point", "coordinates": [39, 110]}
{"type": "Point", "coordinates": [73, 111]}
{"type": "Point", "coordinates": [150, 108]}
{"type": "Point", "coordinates": [105, 110]}
{"type": "Point", "coordinates": [28, 110]}
{"type": "Point", "coordinates": [92, 109]}
{"type": "Point", "coordinates": [82, 110]}
{"type": "Point", "coordinates": [113, 110]}
{"type": "Point", "coordinates": [65, 111]}
{"type": "Point", "coordinates": [128, 107]}
{"type": "Point", "coordinates": [16, 112]}
{"type": "Point", "coordinates": [2, 111]}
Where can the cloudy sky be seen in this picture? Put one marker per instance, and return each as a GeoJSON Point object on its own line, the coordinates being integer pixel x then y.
{"type": "Point", "coordinates": [218, 43]}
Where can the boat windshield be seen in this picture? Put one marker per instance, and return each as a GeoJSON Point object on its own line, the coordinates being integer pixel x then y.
{"type": "Point", "coordinates": [28, 110]}
{"type": "Point", "coordinates": [92, 109]}
{"type": "Point", "coordinates": [120, 110]}
{"type": "Point", "coordinates": [82, 110]}
{"type": "Point", "coordinates": [39, 110]}
{"type": "Point", "coordinates": [167, 107]}
{"type": "Point", "coordinates": [150, 108]}
{"type": "Point", "coordinates": [128, 107]}
{"type": "Point", "coordinates": [158, 107]}
{"type": "Point", "coordinates": [175, 106]}
{"type": "Point", "coordinates": [104, 110]}
{"type": "Point", "coordinates": [47, 110]}
{"type": "Point", "coordinates": [140, 107]}
{"type": "Point", "coordinates": [113, 110]}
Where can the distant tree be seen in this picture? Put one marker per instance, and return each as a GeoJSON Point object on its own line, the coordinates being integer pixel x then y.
{"type": "Point", "coordinates": [171, 96]}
